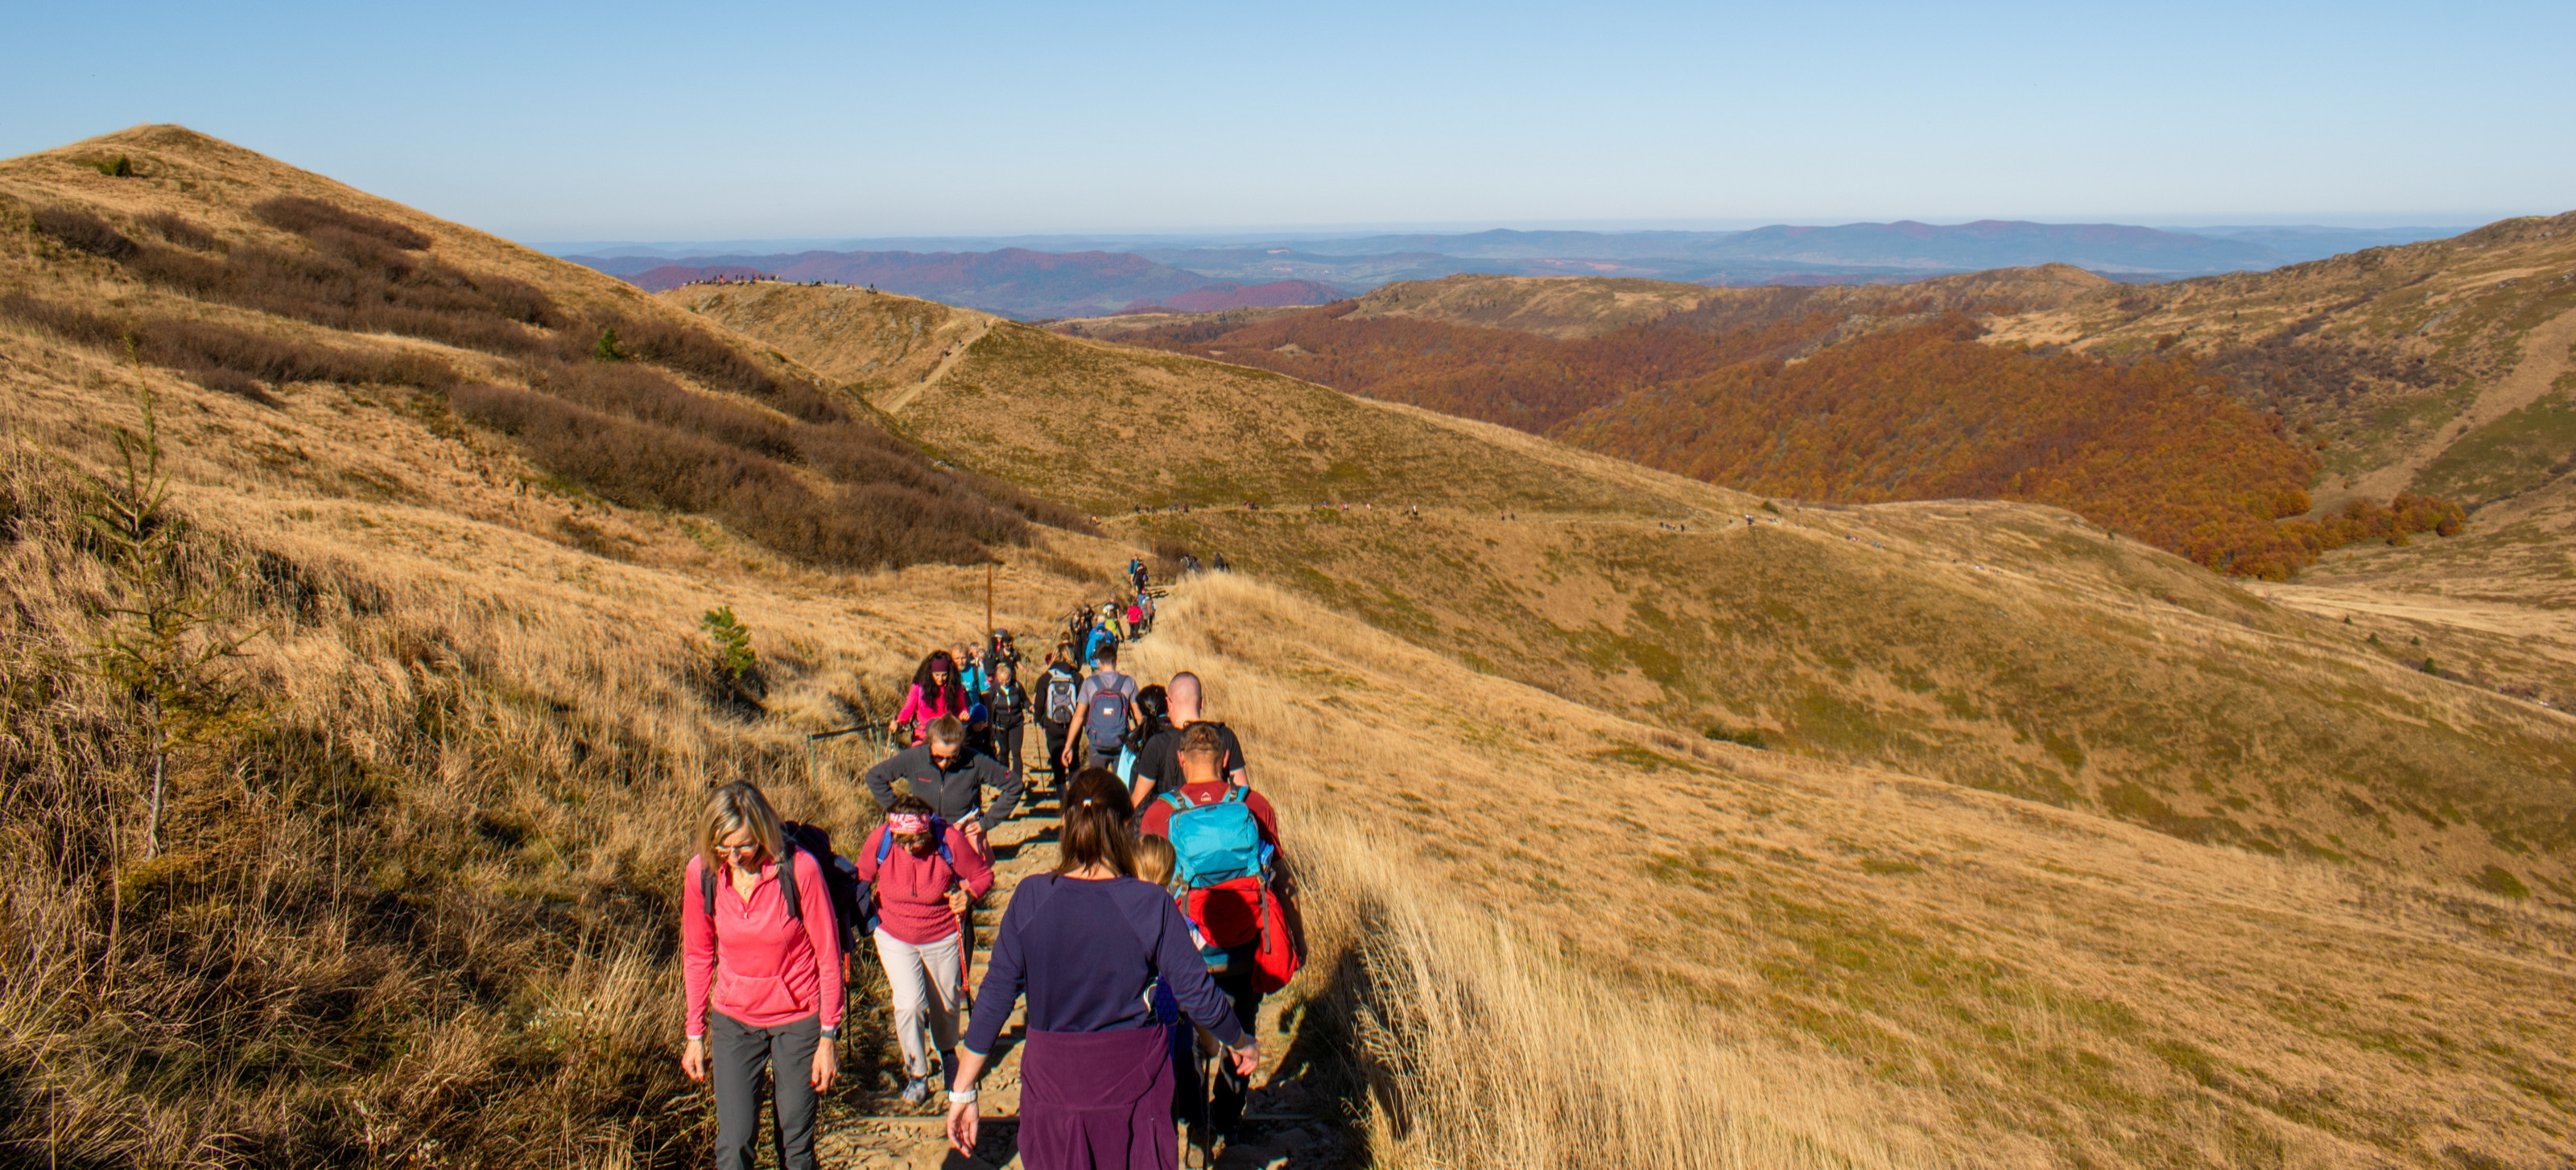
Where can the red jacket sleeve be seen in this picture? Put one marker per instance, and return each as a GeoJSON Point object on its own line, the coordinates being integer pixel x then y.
{"type": "Point", "coordinates": [972, 869]}
{"type": "Point", "coordinates": [1266, 815]}
{"type": "Point", "coordinates": [913, 708]}
{"type": "Point", "coordinates": [822, 935]}
{"type": "Point", "coordinates": [1158, 819]}
{"type": "Point", "coordinates": [865, 860]}
{"type": "Point", "coordinates": [697, 946]}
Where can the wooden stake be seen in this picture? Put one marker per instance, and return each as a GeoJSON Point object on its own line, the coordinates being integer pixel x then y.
{"type": "Point", "coordinates": [988, 605]}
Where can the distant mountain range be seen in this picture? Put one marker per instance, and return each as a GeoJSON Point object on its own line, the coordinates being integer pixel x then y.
{"type": "Point", "coordinates": [1049, 277]}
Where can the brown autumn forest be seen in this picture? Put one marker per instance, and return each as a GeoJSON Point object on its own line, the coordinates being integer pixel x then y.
{"type": "Point", "coordinates": [1814, 401]}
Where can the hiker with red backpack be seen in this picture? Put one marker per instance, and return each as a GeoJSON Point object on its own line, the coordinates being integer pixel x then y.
{"type": "Point", "coordinates": [924, 876]}
{"type": "Point", "coordinates": [941, 771]}
{"type": "Point", "coordinates": [1105, 714]}
{"type": "Point", "coordinates": [1235, 892]}
{"type": "Point", "coordinates": [1083, 943]}
{"type": "Point", "coordinates": [760, 945]}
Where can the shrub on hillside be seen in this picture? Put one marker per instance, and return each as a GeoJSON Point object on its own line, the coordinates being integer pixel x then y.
{"type": "Point", "coordinates": [644, 465]}
{"type": "Point", "coordinates": [304, 216]}
{"type": "Point", "coordinates": [179, 230]}
{"type": "Point", "coordinates": [80, 229]}
{"type": "Point", "coordinates": [224, 358]}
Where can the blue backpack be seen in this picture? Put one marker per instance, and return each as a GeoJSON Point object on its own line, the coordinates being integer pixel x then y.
{"type": "Point", "coordinates": [868, 907]}
{"type": "Point", "coordinates": [1105, 720]}
{"type": "Point", "coordinates": [1215, 843]}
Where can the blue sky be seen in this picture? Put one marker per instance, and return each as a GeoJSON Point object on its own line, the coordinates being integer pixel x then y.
{"type": "Point", "coordinates": [665, 121]}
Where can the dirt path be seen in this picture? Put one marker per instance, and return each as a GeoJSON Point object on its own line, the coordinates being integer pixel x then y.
{"type": "Point", "coordinates": [869, 1126]}
{"type": "Point", "coordinates": [956, 352]}
{"type": "Point", "coordinates": [2544, 358]}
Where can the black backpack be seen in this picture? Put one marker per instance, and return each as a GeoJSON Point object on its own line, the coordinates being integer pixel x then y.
{"type": "Point", "coordinates": [849, 908]}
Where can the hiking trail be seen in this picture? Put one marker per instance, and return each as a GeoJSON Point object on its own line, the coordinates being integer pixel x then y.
{"type": "Point", "coordinates": [955, 353]}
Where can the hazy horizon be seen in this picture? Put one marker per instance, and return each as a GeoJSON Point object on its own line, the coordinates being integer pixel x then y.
{"type": "Point", "coordinates": [807, 121]}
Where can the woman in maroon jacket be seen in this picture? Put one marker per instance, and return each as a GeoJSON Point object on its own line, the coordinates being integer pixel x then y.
{"type": "Point", "coordinates": [770, 973]}
{"type": "Point", "coordinates": [930, 874]}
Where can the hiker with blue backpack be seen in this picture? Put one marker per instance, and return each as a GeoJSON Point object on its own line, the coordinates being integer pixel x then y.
{"type": "Point", "coordinates": [941, 771]}
{"type": "Point", "coordinates": [924, 876]}
{"type": "Point", "coordinates": [1234, 889]}
{"type": "Point", "coordinates": [760, 945]}
{"type": "Point", "coordinates": [1105, 715]}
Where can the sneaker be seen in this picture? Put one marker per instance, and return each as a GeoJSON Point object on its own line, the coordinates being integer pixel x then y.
{"type": "Point", "coordinates": [916, 1091]}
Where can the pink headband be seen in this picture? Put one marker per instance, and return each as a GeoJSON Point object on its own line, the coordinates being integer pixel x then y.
{"type": "Point", "coordinates": [908, 823]}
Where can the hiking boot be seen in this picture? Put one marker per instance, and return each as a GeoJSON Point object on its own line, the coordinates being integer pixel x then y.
{"type": "Point", "coordinates": [916, 1091]}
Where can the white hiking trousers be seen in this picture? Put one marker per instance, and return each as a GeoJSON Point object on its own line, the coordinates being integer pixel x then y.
{"type": "Point", "coordinates": [926, 983]}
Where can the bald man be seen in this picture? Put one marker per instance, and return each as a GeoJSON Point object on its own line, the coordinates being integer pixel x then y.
{"type": "Point", "coordinates": [1158, 766]}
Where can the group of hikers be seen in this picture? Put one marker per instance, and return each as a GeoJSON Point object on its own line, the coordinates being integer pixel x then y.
{"type": "Point", "coordinates": [1143, 954]}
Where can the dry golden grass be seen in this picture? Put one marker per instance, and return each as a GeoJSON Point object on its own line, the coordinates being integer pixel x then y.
{"type": "Point", "coordinates": [1569, 939]}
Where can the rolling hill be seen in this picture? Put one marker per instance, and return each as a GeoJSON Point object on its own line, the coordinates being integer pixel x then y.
{"type": "Point", "coordinates": [2062, 850]}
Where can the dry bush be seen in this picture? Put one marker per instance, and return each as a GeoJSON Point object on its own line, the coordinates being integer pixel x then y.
{"type": "Point", "coordinates": [864, 525]}
{"type": "Point", "coordinates": [224, 358]}
{"type": "Point", "coordinates": [179, 230]}
{"type": "Point", "coordinates": [80, 229]}
{"type": "Point", "coordinates": [304, 216]}
{"type": "Point", "coordinates": [701, 355]}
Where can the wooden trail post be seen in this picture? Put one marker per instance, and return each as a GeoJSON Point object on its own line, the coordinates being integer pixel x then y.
{"type": "Point", "coordinates": [988, 606]}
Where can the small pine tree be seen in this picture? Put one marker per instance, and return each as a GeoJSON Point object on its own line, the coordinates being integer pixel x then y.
{"type": "Point", "coordinates": [606, 350]}
{"type": "Point", "coordinates": [733, 656]}
{"type": "Point", "coordinates": [119, 167]}
{"type": "Point", "coordinates": [2430, 668]}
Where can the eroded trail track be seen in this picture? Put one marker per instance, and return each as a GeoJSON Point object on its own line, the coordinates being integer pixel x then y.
{"type": "Point", "coordinates": [865, 1123]}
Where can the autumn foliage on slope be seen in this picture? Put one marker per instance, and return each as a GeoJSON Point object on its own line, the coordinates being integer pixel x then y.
{"type": "Point", "coordinates": [1520, 380]}
{"type": "Point", "coordinates": [1903, 411]}
{"type": "Point", "coordinates": [2153, 449]}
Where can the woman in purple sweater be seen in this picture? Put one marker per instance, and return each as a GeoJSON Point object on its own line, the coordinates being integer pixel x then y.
{"type": "Point", "coordinates": [1084, 943]}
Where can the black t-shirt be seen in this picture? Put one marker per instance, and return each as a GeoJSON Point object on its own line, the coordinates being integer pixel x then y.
{"type": "Point", "coordinates": [1160, 758]}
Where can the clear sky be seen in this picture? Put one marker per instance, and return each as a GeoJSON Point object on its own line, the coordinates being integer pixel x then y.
{"type": "Point", "coordinates": [583, 121]}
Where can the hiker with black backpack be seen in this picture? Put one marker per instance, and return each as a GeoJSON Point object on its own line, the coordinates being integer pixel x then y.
{"type": "Point", "coordinates": [1083, 943]}
{"type": "Point", "coordinates": [1236, 892]}
{"type": "Point", "coordinates": [1158, 765]}
{"type": "Point", "coordinates": [760, 945]}
{"type": "Point", "coordinates": [1006, 703]}
{"type": "Point", "coordinates": [1059, 688]}
{"type": "Point", "coordinates": [952, 779]}
{"type": "Point", "coordinates": [924, 876]}
{"type": "Point", "coordinates": [1105, 707]}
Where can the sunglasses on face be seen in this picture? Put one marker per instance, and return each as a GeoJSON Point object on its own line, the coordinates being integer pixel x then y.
{"type": "Point", "coordinates": [738, 850]}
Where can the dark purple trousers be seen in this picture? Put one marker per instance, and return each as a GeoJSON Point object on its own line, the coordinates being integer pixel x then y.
{"type": "Point", "coordinates": [1097, 1100]}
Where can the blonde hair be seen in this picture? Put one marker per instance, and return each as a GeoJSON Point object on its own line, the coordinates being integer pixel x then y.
{"type": "Point", "coordinates": [1155, 859]}
{"type": "Point", "coordinates": [735, 807]}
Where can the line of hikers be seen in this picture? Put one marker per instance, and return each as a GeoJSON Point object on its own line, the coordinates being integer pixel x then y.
{"type": "Point", "coordinates": [1143, 954]}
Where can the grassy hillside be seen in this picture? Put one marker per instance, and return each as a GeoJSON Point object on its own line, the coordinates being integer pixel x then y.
{"type": "Point", "coordinates": [2229, 942]}
{"type": "Point", "coordinates": [390, 883]}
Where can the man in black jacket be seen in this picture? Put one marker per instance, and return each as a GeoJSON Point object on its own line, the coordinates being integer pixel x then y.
{"type": "Point", "coordinates": [941, 771]}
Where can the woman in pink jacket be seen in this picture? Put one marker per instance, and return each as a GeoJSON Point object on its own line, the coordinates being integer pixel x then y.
{"type": "Point", "coordinates": [930, 874]}
{"type": "Point", "coordinates": [768, 966]}
{"type": "Point", "coordinates": [936, 690]}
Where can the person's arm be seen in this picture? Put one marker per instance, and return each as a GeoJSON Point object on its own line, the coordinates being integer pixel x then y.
{"type": "Point", "coordinates": [912, 707]}
{"type": "Point", "coordinates": [972, 870]}
{"type": "Point", "coordinates": [1005, 976]}
{"type": "Point", "coordinates": [864, 862]}
{"type": "Point", "coordinates": [697, 948]}
{"type": "Point", "coordinates": [1006, 783]}
{"type": "Point", "coordinates": [881, 778]}
{"type": "Point", "coordinates": [823, 935]}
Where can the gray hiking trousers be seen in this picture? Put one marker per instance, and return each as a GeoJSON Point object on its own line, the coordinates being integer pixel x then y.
{"type": "Point", "coordinates": [735, 1055]}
